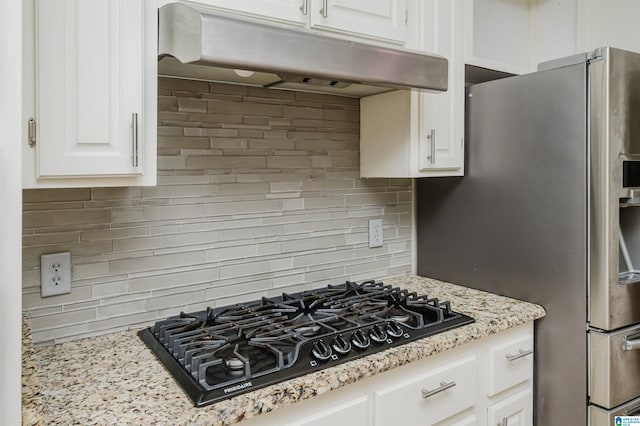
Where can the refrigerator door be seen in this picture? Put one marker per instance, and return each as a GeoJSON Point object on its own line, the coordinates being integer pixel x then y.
{"type": "Point", "coordinates": [516, 224]}
{"type": "Point", "coordinates": [614, 367]}
{"type": "Point", "coordinates": [614, 127]}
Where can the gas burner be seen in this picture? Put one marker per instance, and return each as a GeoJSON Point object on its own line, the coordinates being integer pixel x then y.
{"type": "Point", "coordinates": [222, 352]}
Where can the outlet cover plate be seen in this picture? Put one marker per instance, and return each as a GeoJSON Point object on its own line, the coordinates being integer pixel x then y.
{"type": "Point", "coordinates": [55, 274]}
{"type": "Point", "coordinates": [375, 233]}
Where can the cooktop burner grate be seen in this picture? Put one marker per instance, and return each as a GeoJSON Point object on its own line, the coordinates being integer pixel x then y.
{"type": "Point", "coordinates": [221, 352]}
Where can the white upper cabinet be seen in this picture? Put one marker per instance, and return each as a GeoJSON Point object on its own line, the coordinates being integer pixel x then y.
{"type": "Point", "coordinates": [94, 97]}
{"type": "Point", "coordinates": [286, 11]}
{"type": "Point", "coordinates": [414, 133]}
{"type": "Point", "coordinates": [608, 23]}
{"type": "Point", "coordinates": [382, 20]}
{"type": "Point", "coordinates": [498, 35]}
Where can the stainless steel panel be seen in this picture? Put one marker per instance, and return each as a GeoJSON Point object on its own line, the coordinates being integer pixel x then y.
{"type": "Point", "coordinates": [600, 417]}
{"type": "Point", "coordinates": [196, 37]}
{"type": "Point", "coordinates": [614, 370]}
{"type": "Point", "coordinates": [614, 103]}
{"type": "Point", "coordinates": [516, 224]}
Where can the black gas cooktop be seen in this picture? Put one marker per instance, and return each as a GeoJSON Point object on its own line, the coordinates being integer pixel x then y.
{"type": "Point", "coordinates": [222, 352]}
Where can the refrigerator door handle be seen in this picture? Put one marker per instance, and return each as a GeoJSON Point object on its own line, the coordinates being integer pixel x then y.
{"type": "Point", "coordinates": [631, 343]}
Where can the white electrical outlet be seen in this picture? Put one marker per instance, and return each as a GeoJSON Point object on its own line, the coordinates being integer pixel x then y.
{"type": "Point", "coordinates": [55, 274]}
{"type": "Point", "coordinates": [375, 233]}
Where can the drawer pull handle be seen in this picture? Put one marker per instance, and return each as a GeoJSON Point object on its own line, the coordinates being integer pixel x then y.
{"type": "Point", "coordinates": [631, 342]}
{"type": "Point", "coordinates": [443, 387]}
{"type": "Point", "coordinates": [521, 353]}
{"type": "Point", "coordinates": [504, 422]}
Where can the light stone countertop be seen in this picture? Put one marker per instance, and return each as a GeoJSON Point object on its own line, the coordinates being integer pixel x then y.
{"type": "Point", "coordinates": [114, 379]}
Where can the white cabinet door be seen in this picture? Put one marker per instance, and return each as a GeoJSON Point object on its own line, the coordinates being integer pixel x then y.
{"type": "Point", "coordinates": [442, 115]}
{"type": "Point", "coordinates": [288, 11]}
{"type": "Point", "coordinates": [515, 410]}
{"type": "Point", "coordinates": [90, 84]}
{"type": "Point", "coordinates": [381, 19]}
{"type": "Point", "coordinates": [498, 34]}
{"type": "Point", "coordinates": [608, 23]}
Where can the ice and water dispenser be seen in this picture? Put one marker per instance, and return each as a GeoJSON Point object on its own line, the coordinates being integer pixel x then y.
{"type": "Point", "coordinates": [629, 255]}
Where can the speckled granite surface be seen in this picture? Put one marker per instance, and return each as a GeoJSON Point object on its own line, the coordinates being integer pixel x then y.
{"type": "Point", "coordinates": [115, 379]}
{"type": "Point", "coordinates": [32, 408]}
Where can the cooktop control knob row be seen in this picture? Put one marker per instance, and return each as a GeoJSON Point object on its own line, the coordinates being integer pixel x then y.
{"type": "Point", "coordinates": [379, 333]}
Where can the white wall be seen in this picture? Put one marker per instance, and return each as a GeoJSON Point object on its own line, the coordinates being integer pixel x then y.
{"type": "Point", "coordinates": [554, 29]}
{"type": "Point", "coordinates": [10, 211]}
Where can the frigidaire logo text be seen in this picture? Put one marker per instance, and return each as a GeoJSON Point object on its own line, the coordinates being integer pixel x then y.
{"type": "Point", "coordinates": [238, 387]}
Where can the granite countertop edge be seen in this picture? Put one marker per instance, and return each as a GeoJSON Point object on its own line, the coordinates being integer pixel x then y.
{"type": "Point", "coordinates": [115, 379]}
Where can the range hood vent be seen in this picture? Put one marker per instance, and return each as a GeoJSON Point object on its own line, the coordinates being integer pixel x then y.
{"type": "Point", "coordinates": [200, 45]}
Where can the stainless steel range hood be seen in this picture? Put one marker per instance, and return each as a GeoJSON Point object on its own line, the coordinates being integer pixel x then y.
{"type": "Point", "coordinates": [200, 45]}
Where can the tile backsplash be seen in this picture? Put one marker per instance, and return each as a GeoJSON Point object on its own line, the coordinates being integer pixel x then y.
{"type": "Point", "coordinates": [258, 193]}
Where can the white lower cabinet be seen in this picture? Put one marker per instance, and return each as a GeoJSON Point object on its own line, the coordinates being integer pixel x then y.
{"type": "Point", "coordinates": [485, 382]}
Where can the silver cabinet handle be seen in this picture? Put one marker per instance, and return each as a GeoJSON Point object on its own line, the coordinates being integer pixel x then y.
{"type": "Point", "coordinates": [521, 353]}
{"type": "Point", "coordinates": [304, 8]}
{"type": "Point", "coordinates": [31, 131]}
{"type": "Point", "coordinates": [134, 131]}
{"type": "Point", "coordinates": [443, 387]}
{"type": "Point", "coordinates": [324, 10]}
{"type": "Point", "coordinates": [631, 343]}
{"type": "Point", "coordinates": [504, 422]}
{"type": "Point", "coordinates": [432, 151]}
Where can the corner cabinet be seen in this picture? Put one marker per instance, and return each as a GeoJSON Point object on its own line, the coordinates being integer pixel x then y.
{"type": "Point", "coordinates": [485, 382]}
{"type": "Point", "coordinates": [383, 20]}
{"type": "Point", "coordinates": [413, 133]}
{"type": "Point", "coordinates": [499, 35]}
{"type": "Point", "coordinates": [91, 90]}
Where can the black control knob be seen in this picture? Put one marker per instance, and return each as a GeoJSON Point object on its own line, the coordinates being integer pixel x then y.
{"type": "Point", "coordinates": [360, 340]}
{"type": "Point", "coordinates": [321, 351]}
{"type": "Point", "coordinates": [394, 330]}
{"type": "Point", "coordinates": [341, 345]}
{"type": "Point", "coordinates": [378, 334]}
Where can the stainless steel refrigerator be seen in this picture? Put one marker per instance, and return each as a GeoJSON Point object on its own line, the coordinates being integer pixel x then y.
{"type": "Point", "coordinates": [549, 211]}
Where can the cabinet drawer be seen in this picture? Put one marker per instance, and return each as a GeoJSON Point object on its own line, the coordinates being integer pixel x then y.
{"type": "Point", "coordinates": [452, 387]}
{"type": "Point", "coordinates": [513, 411]}
{"type": "Point", "coordinates": [352, 413]}
{"type": "Point", "coordinates": [510, 363]}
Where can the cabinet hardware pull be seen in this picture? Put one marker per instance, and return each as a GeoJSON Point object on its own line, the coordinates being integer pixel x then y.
{"type": "Point", "coordinates": [631, 342]}
{"type": "Point", "coordinates": [443, 387]}
{"type": "Point", "coordinates": [134, 131]}
{"type": "Point", "coordinates": [504, 422]}
{"type": "Point", "coordinates": [31, 136]}
{"type": "Point", "coordinates": [521, 353]}
{"type": "Point", "coordinates": [305, 7]}
{"type": "Point", "coordinates": [432, 151]}
{"type": "Point", "coordinates": [324, 10]}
